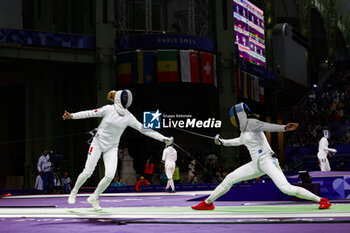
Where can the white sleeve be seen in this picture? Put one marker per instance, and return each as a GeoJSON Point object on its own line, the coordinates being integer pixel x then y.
{"type": "Point", "coordinates": [331, 149]}
{"type": "Point", "coordinates": [39, 164]}
{"type": "Point", "coordinates": [134, 123]}
{"type": "Point", "coordinates": [36, 186]}
{"type": "Point", "coordinates": [232, 142]}
{"type": "Point", "coordinates": [100, 112]}
{"type": "Point", "coordinates": [164, 154]}
{"type": "Point", "coordinates": [256, 125]}
{"type": "Point", "coordinates": [175, 155]}
{"type": "Point", "coordinates": [324, 146]}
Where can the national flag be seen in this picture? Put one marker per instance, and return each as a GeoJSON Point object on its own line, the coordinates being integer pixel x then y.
{"type": "Point", "coordinates": [189, 61]}
{"type": "Point", "coordinates": [145, 67]}
{"type": "Point", "coordinates": [262, 90]}
{"type": "Point", "coordinates": [124, 68]}
{"type": "Point", "coordinates": [167, 66]}
{"type": "Point", "coordinates": [207, 70]}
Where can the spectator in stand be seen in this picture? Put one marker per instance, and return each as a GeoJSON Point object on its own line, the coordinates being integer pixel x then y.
{"type": "Point", "coordinates": [218, 175]}
{"type": "Point", "coordinates": [347, 136]}
{"type": "Point", "coordinates": [193, 179]}
{"type": "Point", "coordinates": [163, 179]}
{"type": "Point", "coordinates": [58, 186]}
{"type": "Point", "coordinates": [114, 183]}
{"type": "Point", "coordinates": [176, 176]}
{"type": "Point", "coordinates": [67, 183]}
{"type": "Point", "coordinates": [141, 182]}
{"type": "Point", "coordinates": [121, 183]}
{"type": "Point", "coordinates": [191, 169]}
{"type": "Point", "coordinates": [149, 168]}
{"type": "Point", "coordinates": [312, 96]}
{"type": "Point", "coordinates": [39, 184]}
{"type": "Point", "coordinates": [341, 165]}
{"type": "Point", "coordinates": [324, 109]}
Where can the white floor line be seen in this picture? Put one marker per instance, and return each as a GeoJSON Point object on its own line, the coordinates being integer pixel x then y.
{"type": "Point", "coordinates": [184, 193]}
{"type": "Point", "coordinates": [157, 213]}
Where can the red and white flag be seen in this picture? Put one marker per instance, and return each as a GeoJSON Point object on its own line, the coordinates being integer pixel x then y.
{"type": "Point", "coordinates": [189, 66]}
{"type": "Point", "coordinates": [207, 69]}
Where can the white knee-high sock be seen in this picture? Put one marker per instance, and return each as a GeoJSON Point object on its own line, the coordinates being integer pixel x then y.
{"type": "Point", "coordinates": [218, 192]}
{"type": "Point", "coordinates": [80, 181]}
{"type": "Point", "coordinates": [167, 184]}
{"type": "Point", "coordinates": [298, 192]}
{"type": "Point", "coordinates": [172, 184]}
{"type": "Point", "coordinates": [305, 194]}
{"type": "Point", "coordinates": [104, 183]}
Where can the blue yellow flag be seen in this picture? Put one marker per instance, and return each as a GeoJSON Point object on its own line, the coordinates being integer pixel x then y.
{"type": "Point", "coordinates": [145, 67]}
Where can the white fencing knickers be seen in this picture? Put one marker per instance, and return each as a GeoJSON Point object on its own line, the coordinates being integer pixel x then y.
{"type": "Point", "coordinates": [324, 163]}
{"type": "Point", "coordinates": [265, 164]}
{"type": "Point", "coordinates": [169, 171]}
{"type": "Point", "coordinates": [110, 159]}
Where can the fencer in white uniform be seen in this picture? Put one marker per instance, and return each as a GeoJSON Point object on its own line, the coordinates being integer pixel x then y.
{"type": "Point", "coordinates": [263, 158]}
{"type": "Point", "coordinates": [115, 118]}
{"type": "Point", "coordinates": [169, 157]}
{"type": "Point", "coordinates": [324, 151]}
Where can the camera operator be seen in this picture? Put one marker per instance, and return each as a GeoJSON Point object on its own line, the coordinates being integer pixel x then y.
{"type": "Point", "coordinates": [45, 170]}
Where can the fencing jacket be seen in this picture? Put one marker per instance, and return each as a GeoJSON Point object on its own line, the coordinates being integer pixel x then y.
{"type": "Point", "coordinates": [253, 137]}
{"type": "Point", "coordinates": [114, 121]}
{"type": "Point", "coordinates": [323, 148]}
{"type": "Point", "coordinates": [169, 155]}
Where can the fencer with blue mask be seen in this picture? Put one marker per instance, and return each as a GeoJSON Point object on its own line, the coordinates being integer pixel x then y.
{"type": "Point", "coordinates": [324, 151]}
{"type": "Point", "coordinates": [115, 118]}
{"type": "Point", "coordinates": [263, 158]}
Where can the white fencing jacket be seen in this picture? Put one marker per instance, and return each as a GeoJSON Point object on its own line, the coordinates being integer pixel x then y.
{"type": "Point", "coordinates": [114, 121]}
{"type": "Point", "coordinates": [323, 148]}
{"type": "Point", "coordinates": [253, 136]}
{"type": "Point", "coordinates": [169, 155]}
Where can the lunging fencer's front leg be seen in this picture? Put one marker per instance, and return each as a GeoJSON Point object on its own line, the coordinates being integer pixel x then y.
{"type": "Point", "coordinates": [245, 172]}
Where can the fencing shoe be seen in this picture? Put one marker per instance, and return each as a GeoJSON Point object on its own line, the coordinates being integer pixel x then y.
{"type": "Point", "coordinates": [94, 203]}
{"type": "Point", "coordinates": [71, 198]}
{"type": "Point", "coordinates": [204, 206]}
{"type": "Point", "coordinates": [324, 203]}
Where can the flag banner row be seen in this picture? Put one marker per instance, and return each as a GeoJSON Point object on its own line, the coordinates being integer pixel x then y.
{"type": "Point", "coordinates": [164, 66]}
{"type": "Point", "coordinates": [249, 86]}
